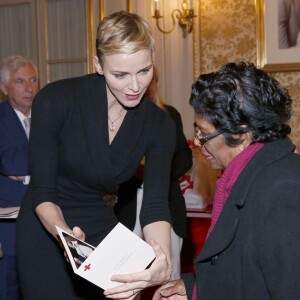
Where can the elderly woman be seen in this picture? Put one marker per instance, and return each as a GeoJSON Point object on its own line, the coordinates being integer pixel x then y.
{"type": "Point", "coordinates": [252, 248]}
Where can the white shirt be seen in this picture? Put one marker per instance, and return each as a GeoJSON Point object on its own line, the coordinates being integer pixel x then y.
{"type": "Point", "coordinates": [22, 117]}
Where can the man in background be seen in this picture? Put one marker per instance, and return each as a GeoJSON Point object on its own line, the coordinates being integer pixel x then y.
{"type": "Point", "coordinates": [19, 83]}
{"type": "Point", "coordinates": [288, 23]}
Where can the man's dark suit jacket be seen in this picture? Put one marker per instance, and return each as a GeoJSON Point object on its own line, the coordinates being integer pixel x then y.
{"type": "Point", "coordinates": [13, 161]}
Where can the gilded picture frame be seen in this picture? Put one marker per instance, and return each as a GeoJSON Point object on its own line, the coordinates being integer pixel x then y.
{"type": "Point", "coordinates": [269, 56]}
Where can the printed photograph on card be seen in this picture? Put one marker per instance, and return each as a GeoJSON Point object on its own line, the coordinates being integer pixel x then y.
{"type": "Point", "coordinates": [78, 249]}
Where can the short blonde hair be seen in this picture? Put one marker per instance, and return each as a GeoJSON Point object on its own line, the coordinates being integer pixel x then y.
{"type": "Point", "coordinates": [123, 33]}
{"type": "Point", "coordinates": [156, 98]}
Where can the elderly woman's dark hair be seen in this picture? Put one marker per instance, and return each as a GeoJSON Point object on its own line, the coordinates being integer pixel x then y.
{"type": "Point", "coordinates": [240, 98]}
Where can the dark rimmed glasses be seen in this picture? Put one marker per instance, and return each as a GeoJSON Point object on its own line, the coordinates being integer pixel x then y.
{"type": "Point", "coordinates": [206, 138]}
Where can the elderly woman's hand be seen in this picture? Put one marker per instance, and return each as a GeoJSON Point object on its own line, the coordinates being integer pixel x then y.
{"type": "Point", "coordinates": [158, 273]}
{"type": "Point", "coordinates": [173, 290]}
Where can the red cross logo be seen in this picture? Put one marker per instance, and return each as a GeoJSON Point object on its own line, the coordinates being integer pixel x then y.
{"type": "Point", "coordinates": [87, 267]}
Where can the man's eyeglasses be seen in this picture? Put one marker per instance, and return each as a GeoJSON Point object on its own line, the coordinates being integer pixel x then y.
{"type": "Point", "coordinates": [206, 138]}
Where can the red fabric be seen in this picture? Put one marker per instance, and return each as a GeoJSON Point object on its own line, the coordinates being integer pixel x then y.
{"type": "Point", "coordinates": [225, 184]}
{"type": "Point", "coordinates": [193, 242]}
{"type": "Point", "coordinates": [194, 297]}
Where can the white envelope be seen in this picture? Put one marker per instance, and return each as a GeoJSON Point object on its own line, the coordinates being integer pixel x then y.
{"type": "Point", "coordinates": [121, 252]}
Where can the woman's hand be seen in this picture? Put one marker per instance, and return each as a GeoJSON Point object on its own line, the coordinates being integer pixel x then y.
{"type": "Point", "coordinates": [157, 274]}
{"type": "Point", "coordinates": [78, 233]}
{"type": "Point", "coordinates": [173, 290]}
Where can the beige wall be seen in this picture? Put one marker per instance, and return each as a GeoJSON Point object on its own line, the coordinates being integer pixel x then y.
{"type": "Point", "coordinates": [228, 33]}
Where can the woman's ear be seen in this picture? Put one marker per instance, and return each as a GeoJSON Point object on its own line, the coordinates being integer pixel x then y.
{"type": "Point", "coordinates": [97, 65]}
{"type": "Point", "coordinates": [247, 138]}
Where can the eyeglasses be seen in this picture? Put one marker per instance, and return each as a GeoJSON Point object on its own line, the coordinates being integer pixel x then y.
{"type": "Point", "coordinates": [205, 138]}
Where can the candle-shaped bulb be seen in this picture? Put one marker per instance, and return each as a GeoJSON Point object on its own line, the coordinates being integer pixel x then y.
{"type": "Point", "coordinates": [156, 4]}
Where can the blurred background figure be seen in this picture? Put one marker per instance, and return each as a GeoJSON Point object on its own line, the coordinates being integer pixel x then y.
{"type": "Point", "coordinates": [131, 193]}
{"type": "Point", "coordinates": [19, 83]}
{"type": "Point", "coordinates": [288, 23]}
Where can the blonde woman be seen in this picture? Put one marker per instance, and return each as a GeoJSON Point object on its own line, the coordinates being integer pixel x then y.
{"type": "Point", "coordinates": [88, 136]}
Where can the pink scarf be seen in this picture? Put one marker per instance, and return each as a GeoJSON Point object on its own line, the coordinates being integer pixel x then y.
{"type": "Point", "coordinates": [225, 184]}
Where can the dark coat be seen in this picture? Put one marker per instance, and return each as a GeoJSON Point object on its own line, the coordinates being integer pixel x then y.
{"type": "Point", "coordinates": [181, 163]}
{"type": "Point", "coordinates": [254, 249]}
{"type": "Point", "coordinates": [13, 162]}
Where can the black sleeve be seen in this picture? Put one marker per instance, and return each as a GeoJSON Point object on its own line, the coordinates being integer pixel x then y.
{"type": "Point", "coordinates": [182, 159]}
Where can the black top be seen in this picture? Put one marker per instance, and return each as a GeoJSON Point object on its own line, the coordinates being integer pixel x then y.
{"type": "Point", "coordinates": [74, 166]}
{"type": "Point", "coordinates": [181, 163]}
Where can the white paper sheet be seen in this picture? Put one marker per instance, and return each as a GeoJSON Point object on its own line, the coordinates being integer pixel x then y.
{"type": "Point", "coordinates": [9, 212]}
{"type": "Point", "coordinates": [121, 252]}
